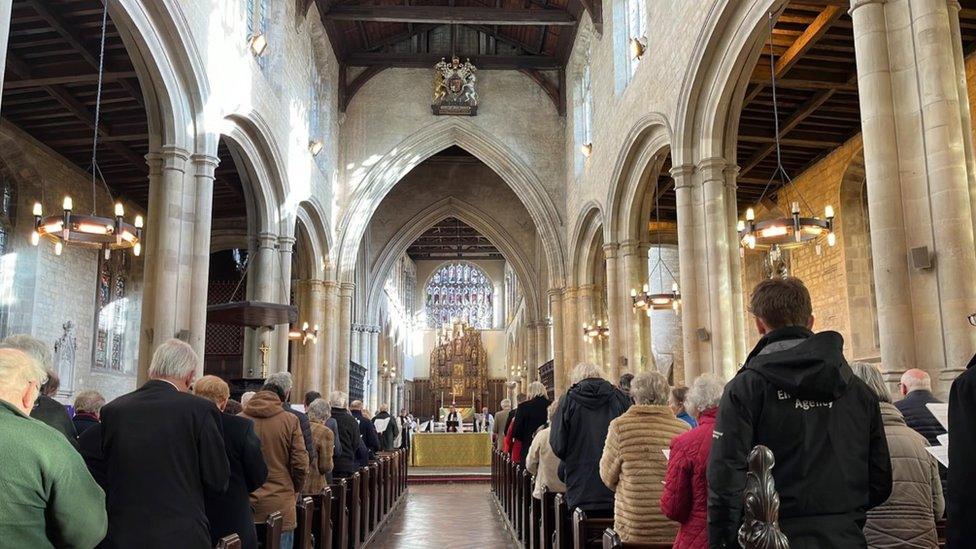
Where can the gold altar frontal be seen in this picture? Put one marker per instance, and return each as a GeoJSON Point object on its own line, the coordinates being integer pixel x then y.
{"type": "Point", "coordinates": [450, 450]}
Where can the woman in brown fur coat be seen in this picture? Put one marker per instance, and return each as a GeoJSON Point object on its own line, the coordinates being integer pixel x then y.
{"type": "Point", "coordinates": [633, 465]}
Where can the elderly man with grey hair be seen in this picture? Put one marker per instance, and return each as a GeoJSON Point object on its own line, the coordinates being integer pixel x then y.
{"type": "Point", "coordinates": [501, 422]}
{"type": "Point", "coordinates": [386, 427]}
{"type": "Point", "coordinates": [908, 517]}
{"type": "Point", "coordinates": [282, 380]}
{"type": "Point", "coordinates": [577, 433]}
{"type": "Point", "coordinates": [916, 388]}
{"type": "Point", "coordinates": [88, 409]}
{"type": "Point", "coordinates": [49, 499]}
{"type": "Point", "coordinates": [46, 409]}
{"type": "Point", "coordinates": [163, 454]}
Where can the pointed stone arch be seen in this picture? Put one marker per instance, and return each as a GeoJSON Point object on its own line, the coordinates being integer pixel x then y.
{"type": "Point", "coordinates": [398, 161]}
{"type": "Point", "coordinates": [589, 225]}
{"type": "Point", "coordinates": [477, 219]}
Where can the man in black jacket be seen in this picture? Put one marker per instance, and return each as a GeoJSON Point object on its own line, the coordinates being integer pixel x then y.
{"type": "Point", "coordinates": [366, 428]}
{"type": "Point", "coordinates": [386, 427]}
{"type": "Point", "coordinates": [163, 454]}
{"type": "Point", "coordinates": [916, 386]}
{"type": "Point", "coordinates": [344, 462]}
{"type": "Point", "coordinates": [797, 396]}
{"type": "Point", "coordinates": [577, 434]}
{"type": "Point", "coordinates": [961, 498]}
{"type": "Point", "coordinates": [230, 511]}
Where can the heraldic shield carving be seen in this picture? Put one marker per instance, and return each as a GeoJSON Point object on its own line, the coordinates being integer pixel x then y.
{"type": "Point", "coordinates": [454, 88]}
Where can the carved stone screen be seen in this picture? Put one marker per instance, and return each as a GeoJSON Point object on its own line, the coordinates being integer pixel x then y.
{"type": "Point", "coordinates": [459, 291]}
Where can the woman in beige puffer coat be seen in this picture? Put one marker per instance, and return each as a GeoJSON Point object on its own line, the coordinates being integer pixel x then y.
{"type": "Point", "coordinates": [907, 519]}
{"type": "Point", "coordinates": [633, 465]}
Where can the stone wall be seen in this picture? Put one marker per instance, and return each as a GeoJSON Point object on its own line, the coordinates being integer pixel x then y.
{"type": "Point", "coordinates": [47, 290]}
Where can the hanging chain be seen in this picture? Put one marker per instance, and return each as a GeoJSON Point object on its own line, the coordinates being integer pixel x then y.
{"type": "Point", "coordinates": [98, 106]}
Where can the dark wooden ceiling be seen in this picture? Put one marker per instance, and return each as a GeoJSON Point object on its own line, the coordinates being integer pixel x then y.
{"type": "Point", "coordinates": [453, 239]}
{"type": "Point", "coordinates": [532, 36]}
{"type": "Point", "coordinates": [50, 86]}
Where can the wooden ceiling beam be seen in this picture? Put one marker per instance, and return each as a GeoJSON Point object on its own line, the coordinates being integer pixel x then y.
{"type": "Point", "coordinates": [427, 60]}
{"type": "Point", "coordinates": [88, 78]}
{"type": "Point", "coordinates": [547, 85]}
{"type": "Point", "coordinates": [449, 15]}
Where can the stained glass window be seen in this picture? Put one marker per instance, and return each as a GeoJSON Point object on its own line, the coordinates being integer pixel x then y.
{"type": "Point", "coordinates": [112, 305]}
{"type": "Point", "coordinates": [459, 291]}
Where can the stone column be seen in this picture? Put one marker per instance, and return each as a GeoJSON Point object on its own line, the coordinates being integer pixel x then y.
{"type": "Point", "coordinates": [354, 350]}
{"type": "Point", "coordinates": [587, 314]}
{"type": "Point", "coordinates": [640, 357]}
{"type": "Point", "coordinates": [5, 8]}
{"type": "Point", "coordinates": [618, 328]}
{"type": "Point", "coordinates": [286, 245]}
{"type": "Point", "coordinates": [917, 153]}
{"type": "Point", "coordinates": [329, 336]}
{"type": "Point", "coordinates": [260, 287]}
{"type": "Point", "coordinates": [203, 177]}
{"type": "Point", "coordinates": [735, 264]}
{"type": "Point", "coordinates": [374, 356]}
{"type": "Point", "coordinates": [543, 348]}
{"type": "Point", "coordinates": [572, 329]}
{"type": "Point", "coordinates": [688, 199]}
{"type": "Point", "coordinates": [316, 360]}
{"type": "Point", "coordinates": [532, 352]}
{"type": "Point", "coordinates": [719, 269]}
{"type": "Point", "coordinates": [165, 250]}
{"type": "Point", "coordinates": [341, 382]}
{"type": "Point", "coordinates": [560, 371]}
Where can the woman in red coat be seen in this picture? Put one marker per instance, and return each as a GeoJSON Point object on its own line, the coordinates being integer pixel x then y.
{"type": "Point", "coordinates": [685, 496]}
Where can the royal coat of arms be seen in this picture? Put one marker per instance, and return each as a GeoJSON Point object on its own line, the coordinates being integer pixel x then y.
{"type": "Point", "coordinates": [454, 88]}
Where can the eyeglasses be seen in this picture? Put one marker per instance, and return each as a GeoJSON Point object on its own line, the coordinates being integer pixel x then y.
{"type": "Point", "coordinates": [972, 319]}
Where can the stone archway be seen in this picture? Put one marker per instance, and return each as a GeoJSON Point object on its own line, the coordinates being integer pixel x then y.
{"type": "Point", "coordinates": [859, 262]}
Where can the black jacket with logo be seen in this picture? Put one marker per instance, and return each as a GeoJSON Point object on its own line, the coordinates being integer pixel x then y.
{"type": "Point", "coordinates": [961, 498]}
{"type": "Point", "coordinates": [797, 396]}
{"type": "Point", "coordinates": [577, 434]}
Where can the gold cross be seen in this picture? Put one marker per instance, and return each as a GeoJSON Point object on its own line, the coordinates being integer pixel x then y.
{"type": "Point", "coordinates": [264, 358]}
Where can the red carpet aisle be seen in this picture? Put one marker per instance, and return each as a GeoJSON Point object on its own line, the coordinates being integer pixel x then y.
{"type": "Point", "coordinates": [445, 516]}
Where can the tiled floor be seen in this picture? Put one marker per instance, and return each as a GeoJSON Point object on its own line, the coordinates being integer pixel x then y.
{"type": "Point", "coordinates": [446, 516]}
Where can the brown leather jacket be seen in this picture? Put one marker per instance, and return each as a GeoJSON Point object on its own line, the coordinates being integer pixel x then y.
{"type": "Point", "coordinates": [284, 451]}
{"type": "Point", "coordinates": [323, 439]}
{"type": "Point", "coordinates": [908, 518]}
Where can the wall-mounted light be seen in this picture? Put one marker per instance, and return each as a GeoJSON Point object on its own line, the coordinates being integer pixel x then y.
{"type": "Point", "coordinates": [258, 43]}
{"type": "Point", "coordinates": [637, 47]}
{"type": "Point", "coordinates": [586, 149]}
{"type": "Point", "coordinates": [315, 147]}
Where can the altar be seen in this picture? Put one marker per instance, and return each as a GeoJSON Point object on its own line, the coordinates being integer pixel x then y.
{"type": "Point", "coordinates": [450, 450]}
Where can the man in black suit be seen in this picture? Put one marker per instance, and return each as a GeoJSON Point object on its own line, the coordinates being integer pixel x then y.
{"type": "Point", "coordinates": [230, 512]}
{"type": "Point", "coordinates": [163, 452]}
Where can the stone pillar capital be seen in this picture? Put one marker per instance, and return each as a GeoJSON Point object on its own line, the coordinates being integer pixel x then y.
{"type": "Point", "coordinates": [167, 157]}
{"type": "Point", "coordinates": [610, 250]}
{"type": "Point", "coordinates": [682, 175]}
{"type": "Point", "coordinates": [346, 289]}
{"type": "Point", "coordinates": [286, 243]}
{"type": "Point", "coordinates": [204, 164]}
{"type": "Point", "coordinates": [713, 168]}
{"type": "Point", "coordinates": [855, 4]}
{"type": "Point", "coordinates": [630, 247]}
{"type": "Point", "coordinates": [330, 284]}
{"type": "Point", "coordinates": [570, 292]}
{"type": "Point", "coordinates": [266, 240]}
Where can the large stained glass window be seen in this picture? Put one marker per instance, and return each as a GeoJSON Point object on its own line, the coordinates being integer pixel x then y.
{"type": "Point", "coordinates": [459, 291]}
{"type": "Point", "coordinates": [112, 304]}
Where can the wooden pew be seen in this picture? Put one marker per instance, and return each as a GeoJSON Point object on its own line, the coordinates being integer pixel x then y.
{"type": "Point", "coordinates": [304, 512]}
{"type": "Point", "coordinates": [229, 542]}
{"type": "Point", "coordinates": [517, 500]}
{"type": "Point", "coordinates": [563, 539]}
{"type": "Point", "coordinates": [340, 515]}
{"type": "Point", "coordinates": [364, 506]}
{"type": "Point", "coordinates": [374, 496]}
{"type": "Point", "coordinates": [269, 531]}
{"type": "Point", "coordinates": [588, 532]}
{"type": "Point", "coordinates": [525, 517]}
{"type": "Point", "coordinates": [322, 519]}
{"type": "Point", "coordinates": [611, 540]}
{"type": "Point", "coordinates": [354, 511]}
{"type": "Point", "coordinates": [535, 519]}
{"type": "Point", "coordinates": [547, 520]}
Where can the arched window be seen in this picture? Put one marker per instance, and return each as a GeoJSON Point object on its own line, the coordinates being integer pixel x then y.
{"type": "Point", "coordinates": [257, 29]}
{"type": "Point", "coordinates": [583, 115]}
{"type": "Point", "coordinates": [636, 29]}
{"type": "Point", "coordinates": [459, 291]}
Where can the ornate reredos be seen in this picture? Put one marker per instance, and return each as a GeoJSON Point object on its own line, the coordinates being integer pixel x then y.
{"type": "Point", "coordinates": [459, 367]}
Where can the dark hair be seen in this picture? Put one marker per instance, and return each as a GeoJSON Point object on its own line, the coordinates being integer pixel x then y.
{"type": "Point", "coordinates": [679, 394]}
{"type": "Point", "coordinates": [274, 389]}
{"type": "Point", "coordinates": [781, 302]}
{"type": "Point", "coordinates": [50, 387]}
{"type": "Point", "coordinates": [625, 381]}
{"type": "Point", "coordinates": [311, 396]}
{"type": "Point", "coordinates": [233, 407]}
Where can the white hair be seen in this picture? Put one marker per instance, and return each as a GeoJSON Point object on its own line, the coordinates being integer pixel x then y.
{"type": "Point", "coordinates": [916, 380]}
{"type": "Point", "coordinates": [356, 405]}
{"type": "Point", "coordinates": [586, 370]}
{"type": "Point", "coordinates": [17, 369]}
{"type": "Point", "coordinates": [506, 404]}
{"type": "Point", "coordinates": [246, 397]}
{"type": "Point", "coordinates": [281, 380]}
{"type": "Point", "coordinates": [537, 389]}
{"type": "Point", "coordinates": [650, 388]}
{"type": "Point", "coordinates": [384, 407]}
{"type": "Point", "coordinates": [871, 376]}
{"type": "Point", "coordinates": [173, 359]}
{"type": "Point", "coordinates": [705, 393]}
{"type": "Point", "coordinates": [319, 410]}
{"type": "Point", "coordinates": [89, 401]}
{"type": "Point", "coordinates": [338, 399]}
{"type": "Point", "coordinates": [32, 347]}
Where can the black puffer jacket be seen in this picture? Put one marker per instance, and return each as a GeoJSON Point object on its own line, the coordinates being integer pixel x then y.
{"type": "Point", "coordinates": [797, 396]}
{"type": "Point", "coordinates": [918, 417]}
{"type": "Point", "coordinates": [344, 462]}
{"type": "Point", "coordinates": [577, 434]}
